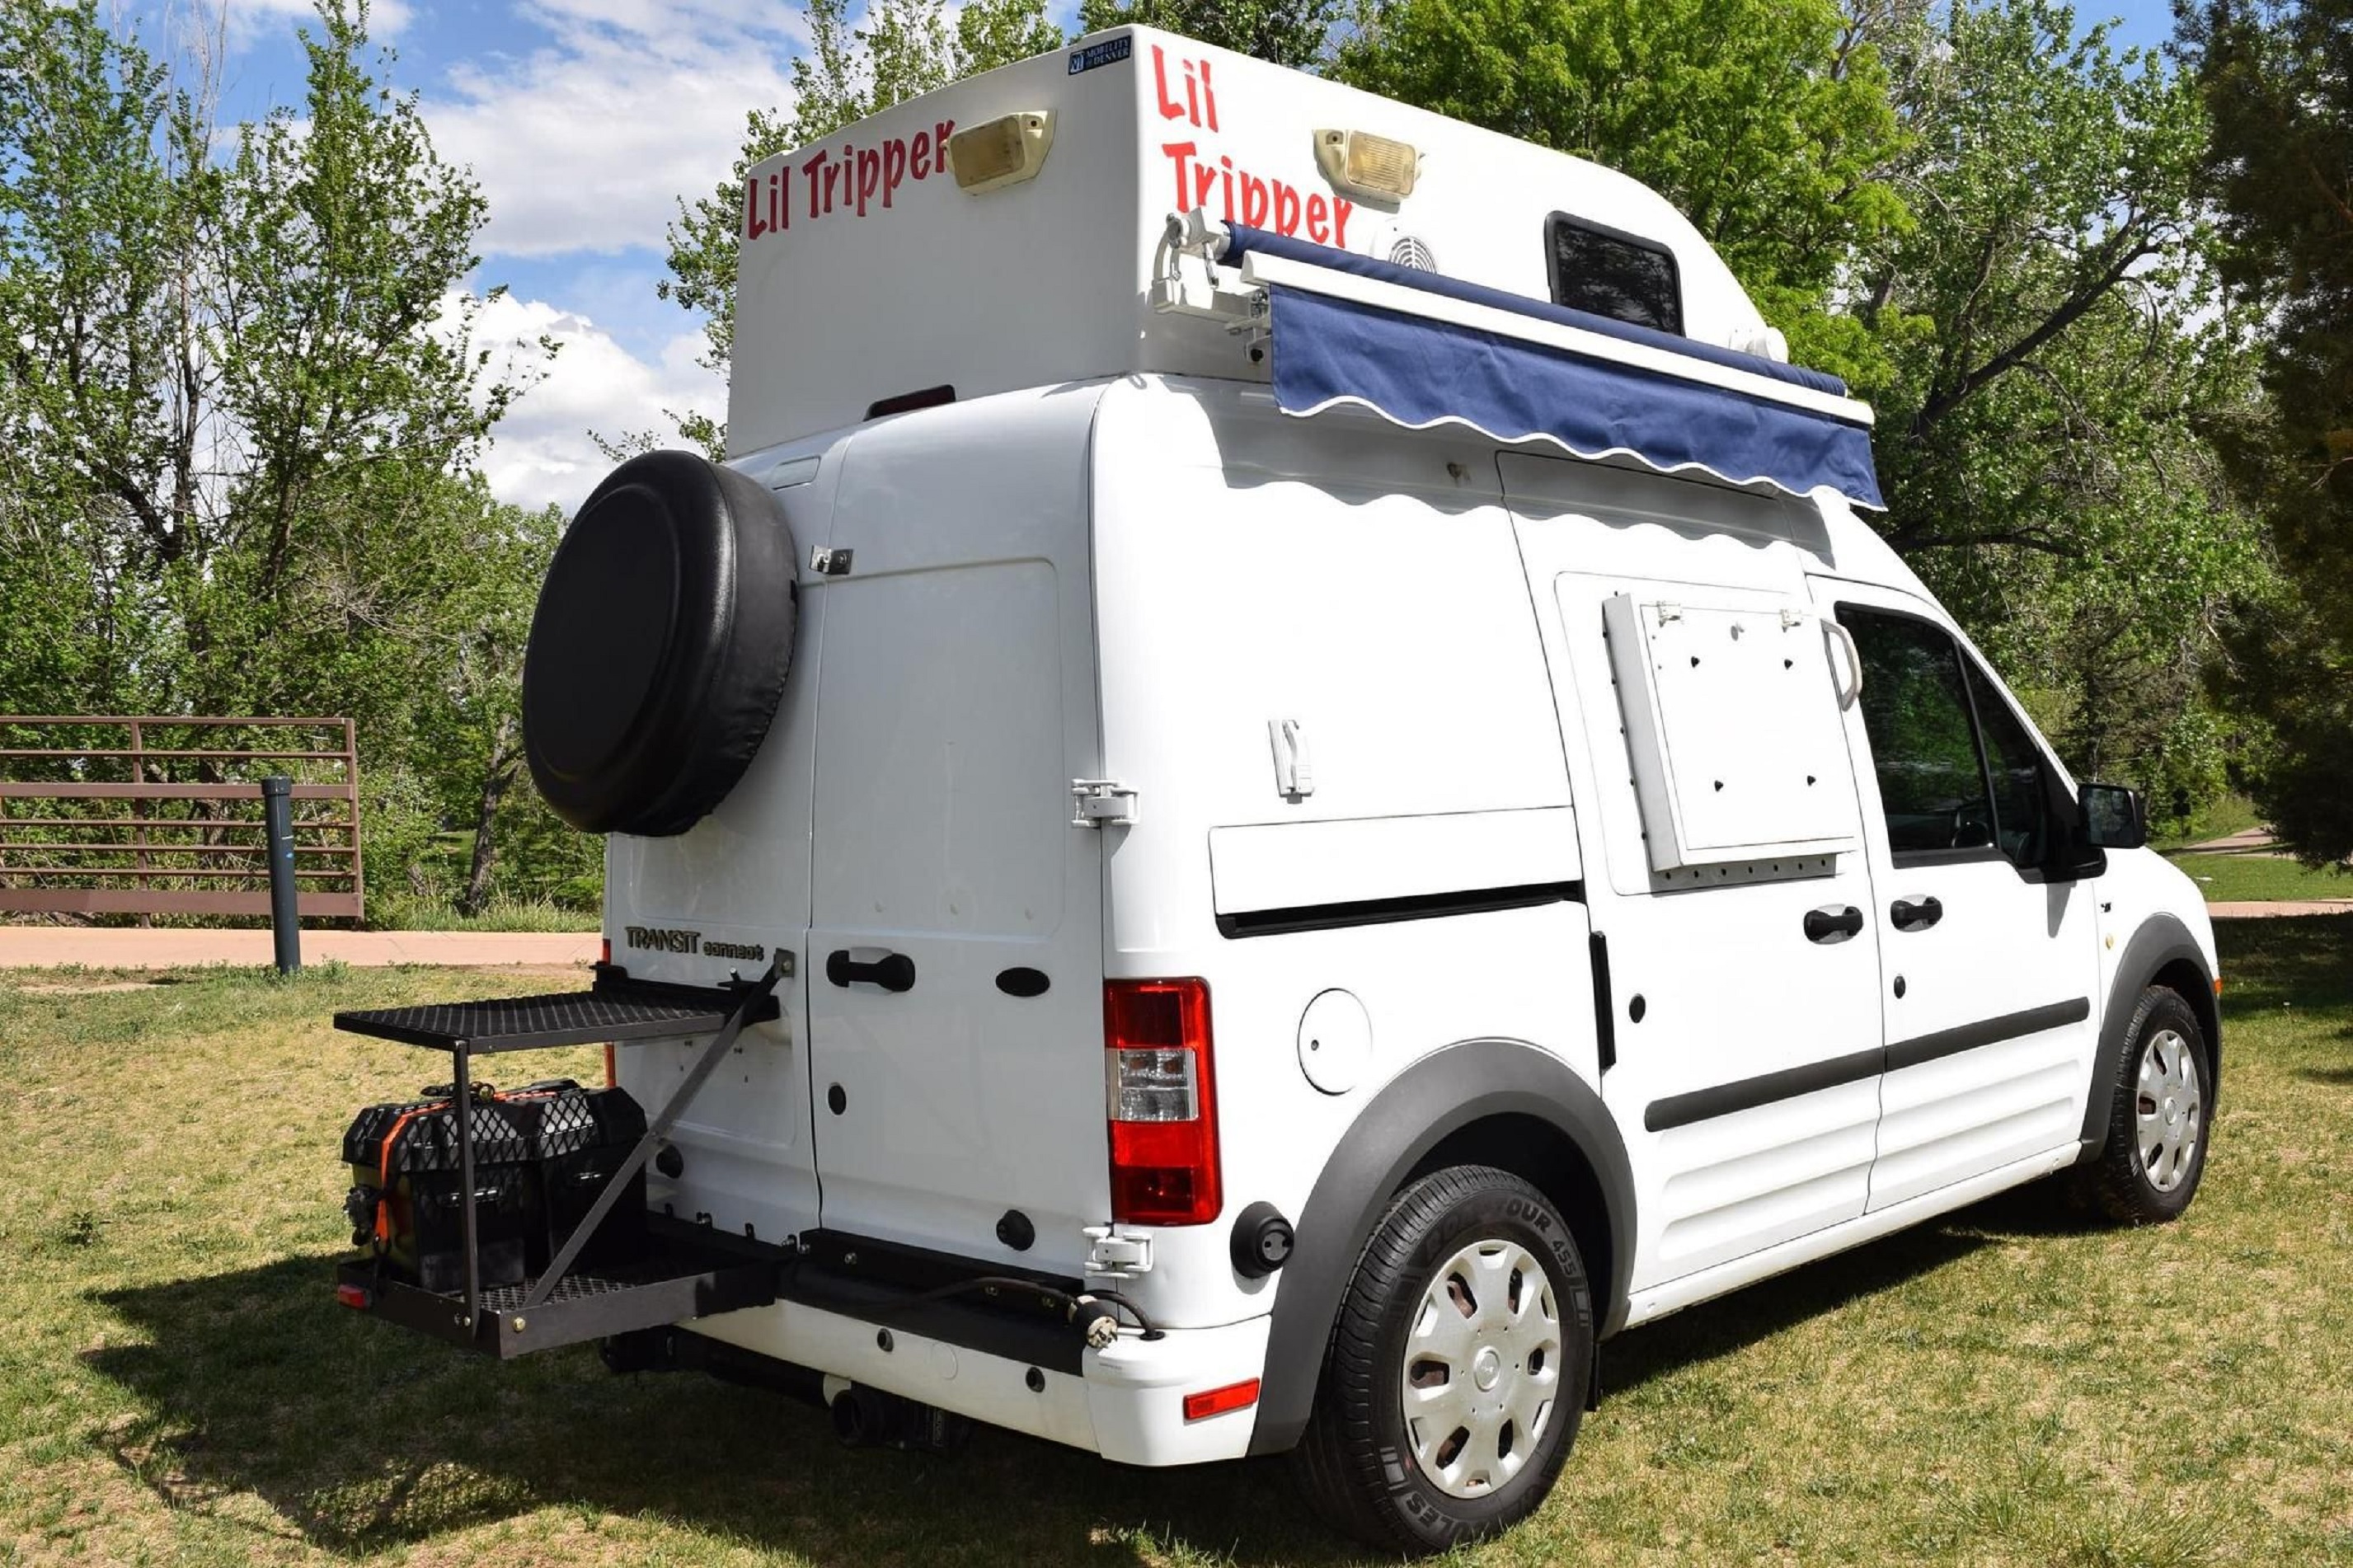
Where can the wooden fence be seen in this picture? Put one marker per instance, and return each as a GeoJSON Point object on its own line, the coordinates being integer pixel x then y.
{"type": "Point", "coordinates": [171, 823]}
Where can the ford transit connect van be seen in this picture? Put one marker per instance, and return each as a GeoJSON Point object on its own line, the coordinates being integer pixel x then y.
{"type": "Point", "coordinates": [1330, 794]}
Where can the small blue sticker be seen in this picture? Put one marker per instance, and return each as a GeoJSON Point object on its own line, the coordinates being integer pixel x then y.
{"type": "Point", "coordinates": [1108, 53]}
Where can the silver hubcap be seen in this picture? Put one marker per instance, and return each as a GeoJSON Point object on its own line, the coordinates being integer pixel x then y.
{"type": "Point", "coordinates": [1482, 1367]}
{"type": "Point", "coordinates": [2172, 1108]}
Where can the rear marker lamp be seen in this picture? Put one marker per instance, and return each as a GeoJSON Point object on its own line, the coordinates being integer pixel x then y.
{"type": "Point", "coordinates": [1005, 152]}
{"type": "Point", "coordinates": [1217, 1401]}
{"type": "Point", "coordinates": [1363, 164]}
{"type": "Point", "coordinates": [1162, 1103]}
{"type": "Point", "coordinates": [353, 1296]}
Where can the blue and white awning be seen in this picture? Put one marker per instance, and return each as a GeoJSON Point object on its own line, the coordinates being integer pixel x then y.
{"type": "Point", "coordinates": [1422, 349]}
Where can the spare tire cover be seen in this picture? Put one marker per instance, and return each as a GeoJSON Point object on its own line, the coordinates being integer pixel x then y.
{"type": "Point", "coordinates": [660, 648]}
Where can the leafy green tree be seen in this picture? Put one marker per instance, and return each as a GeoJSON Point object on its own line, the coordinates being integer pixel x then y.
{"type": "Point", "coordinates": [905, 48]}
{"type": "Point", "coordinates": [1769, 122]}
{"type": "Point", "coordinates": [2278, 82]}
{"type": "Point", "coordinates": [1288, 32]}
{"type": "Point", "coordinates": [243, 406]}
{"type": "Point", "coordinates": [2043, 431]}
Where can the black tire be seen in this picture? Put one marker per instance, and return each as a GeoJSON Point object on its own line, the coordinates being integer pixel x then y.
{"type": "Point", "coordinates": [1358, 1461]}
{"type": "Point", "coordinates": [660, 648]}
{"type": "Point", "coordinates": [2118, 1184]}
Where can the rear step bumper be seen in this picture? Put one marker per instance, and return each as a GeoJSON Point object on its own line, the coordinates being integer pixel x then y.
{"type": "Point", "coordinates": [870, 1312]}
{"type": "Point", "coordinates": [1125, 1403]}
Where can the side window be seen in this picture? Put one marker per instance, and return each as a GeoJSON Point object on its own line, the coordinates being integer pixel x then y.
{"type": "Point", "coordinates": [1612, 274]}
{"type": "Point", "coordinates": [1915, 709]}
{"type": "Point", "coordinates": [2021, 809]}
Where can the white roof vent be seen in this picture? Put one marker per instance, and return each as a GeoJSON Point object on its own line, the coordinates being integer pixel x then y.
{"type": "Point", "coordinates": [1411, 250]}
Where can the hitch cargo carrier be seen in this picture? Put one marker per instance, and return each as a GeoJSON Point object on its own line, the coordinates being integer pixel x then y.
{"type": "Point", "coordinates": [684, 1270]}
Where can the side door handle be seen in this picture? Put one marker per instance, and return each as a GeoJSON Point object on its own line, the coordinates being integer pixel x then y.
{"type": "Point", "coordinates": [893, 971]}
{"type": "Point", "coordinates": [1835, 924]}
{"type": "Point", "coordinates": [1916, 914]}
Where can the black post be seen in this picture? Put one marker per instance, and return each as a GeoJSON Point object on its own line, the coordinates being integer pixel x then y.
{"type": "Point", "coordinates": [277, 828]}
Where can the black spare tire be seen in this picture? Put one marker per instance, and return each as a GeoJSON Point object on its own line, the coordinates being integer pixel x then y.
{"type": "Point", "coordinates": [660, 645]}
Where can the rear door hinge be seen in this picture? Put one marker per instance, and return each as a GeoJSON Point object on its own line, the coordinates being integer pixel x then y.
{"type": "Point", "coordinates": [1119, 1250]}
{"type": "Point", "coordinates": [1094, 802]}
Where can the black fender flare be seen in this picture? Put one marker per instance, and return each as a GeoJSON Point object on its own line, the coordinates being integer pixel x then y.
{"type": "Point", "coordinates": [1443, 1092]}
{"type": "Point", "coordinates": [2161, 943]}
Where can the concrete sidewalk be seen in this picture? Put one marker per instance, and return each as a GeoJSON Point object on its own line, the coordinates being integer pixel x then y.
{"type": "Point", "coordinates": [49, 947]}
{"type": "Point", "coordinates": [2231, 910]}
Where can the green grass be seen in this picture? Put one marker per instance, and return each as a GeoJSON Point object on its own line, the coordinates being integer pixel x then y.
{"type": "Point", "coordinates": [501, 915]}
{"type": "Point", "coordinates": [2003, 1387]}
{"type": "Point", "coordinates": [2263, 878]}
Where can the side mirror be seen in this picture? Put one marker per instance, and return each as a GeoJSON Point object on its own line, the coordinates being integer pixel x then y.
{"type": "Point", "coordinates": [2114, 817]}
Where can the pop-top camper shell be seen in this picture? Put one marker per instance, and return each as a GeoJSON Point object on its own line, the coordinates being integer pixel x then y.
{"type": "Point", "coordinates": [1236, 610]}
{"type": "Point", "coordinates": [866, 274]}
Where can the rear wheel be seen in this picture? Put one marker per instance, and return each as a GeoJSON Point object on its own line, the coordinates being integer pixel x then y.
{"type": "Point", "coordinates": [1457, 1372]}
{"type": "Point", "coordinates": [2158, 1115]}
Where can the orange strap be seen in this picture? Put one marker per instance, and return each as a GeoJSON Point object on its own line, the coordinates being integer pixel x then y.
{"type": "Point", "coordinates": [391, 1135]}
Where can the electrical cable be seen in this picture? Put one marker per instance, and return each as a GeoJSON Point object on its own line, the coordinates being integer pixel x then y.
{"type": "Point", "coordinates": [1072, 1307]}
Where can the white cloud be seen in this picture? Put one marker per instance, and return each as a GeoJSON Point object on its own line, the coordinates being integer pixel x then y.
{"type": "Point", "coordinates": [541, 451]}
{"type": "Point", "coordinates": [587, 143]}
{"type": "Point", "coordinates": [244, 21]}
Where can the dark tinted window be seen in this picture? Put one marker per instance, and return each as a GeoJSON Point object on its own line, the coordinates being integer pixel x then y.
{"type": "Point", "coordinates": [1923, 745]}
{"type": "Point", "coordinates": [1614, 275]}
{"type": "Point", "coordinates": [2020, 808]}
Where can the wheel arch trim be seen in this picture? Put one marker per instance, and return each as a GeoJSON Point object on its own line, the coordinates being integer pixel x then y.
{"type": "Point", "coordinates": [1437, 1096]}
{"type": "Point", "coordinates": [2162, 943]}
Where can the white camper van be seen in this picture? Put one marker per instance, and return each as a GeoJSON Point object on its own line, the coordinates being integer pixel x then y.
{"type": "Point", "coordinates": [1281, 787]}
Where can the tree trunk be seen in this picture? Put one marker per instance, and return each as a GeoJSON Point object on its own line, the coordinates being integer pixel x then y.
{"type": "Point", "coordinates": [506, 760]}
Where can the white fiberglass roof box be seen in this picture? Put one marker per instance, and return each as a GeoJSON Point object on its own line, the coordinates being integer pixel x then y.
{"type": "Point", "coordinates": [868, 275]}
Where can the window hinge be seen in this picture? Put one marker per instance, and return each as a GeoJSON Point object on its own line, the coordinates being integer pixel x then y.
{"type": "Point", "coordinates": [1119, 1250]}
{"type": "Point", "coordinates": [1094, 802]}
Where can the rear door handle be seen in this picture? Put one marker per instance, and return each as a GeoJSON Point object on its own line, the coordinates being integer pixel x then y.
{"type": "Point", "coordinates": [893, 971]}
{"type": "Point", "coordinates": [1835, 924]}
{"type": "Point", "coordinates": [1916, 914]}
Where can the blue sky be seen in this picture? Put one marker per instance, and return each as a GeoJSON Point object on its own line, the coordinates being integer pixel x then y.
{"type": "Point", "coordinates": [585, 120]}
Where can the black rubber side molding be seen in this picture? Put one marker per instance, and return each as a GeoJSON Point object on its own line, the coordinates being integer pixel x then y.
{"type": "Point", "coordinates": [660, 648]}
{"type": "Point", "coordinates": [1384, 911]}
{"type": "Point", "coordinates": [1952, 1042]}
{"type": "Point", "coordinates": [1748, 1093]}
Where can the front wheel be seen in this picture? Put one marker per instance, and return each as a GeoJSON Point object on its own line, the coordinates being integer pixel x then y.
{"type": "Point", "coordinates": [1458, 1369]}
{"type": "Point", "coordinates": [2157, 1117]}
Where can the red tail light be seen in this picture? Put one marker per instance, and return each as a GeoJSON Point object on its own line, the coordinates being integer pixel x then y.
{"type": "Point", "coordinates": [1163, 1102]}
{"type": "Point", "coordinates": [612, 1070]}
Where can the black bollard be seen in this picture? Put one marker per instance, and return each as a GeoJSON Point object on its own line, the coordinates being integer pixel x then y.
{"type": "Point", "coordinates": [277, 828]}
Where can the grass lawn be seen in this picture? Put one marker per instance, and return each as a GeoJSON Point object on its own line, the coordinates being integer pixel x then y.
{"type": "Point", "coordinates": [2004, 1387]}
{"type": "Point", "coordinates": [2261, 879]}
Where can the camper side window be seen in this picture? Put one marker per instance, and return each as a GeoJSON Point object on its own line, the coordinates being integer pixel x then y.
{"type": "Point", "coordinates": [1923, 745]}
{"type": "Point", "coordinates": [1613, 274]}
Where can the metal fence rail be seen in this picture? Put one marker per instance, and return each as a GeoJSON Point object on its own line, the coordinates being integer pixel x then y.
{"type": "Point", "coordinates": [173, 828]}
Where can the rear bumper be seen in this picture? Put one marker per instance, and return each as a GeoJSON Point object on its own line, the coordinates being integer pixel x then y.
{"type": "Point", "coordinates": [1124, 1402]}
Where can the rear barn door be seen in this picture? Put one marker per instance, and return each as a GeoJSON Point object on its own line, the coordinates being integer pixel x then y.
{"type": "Point", "coordinates": [955, 707]}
